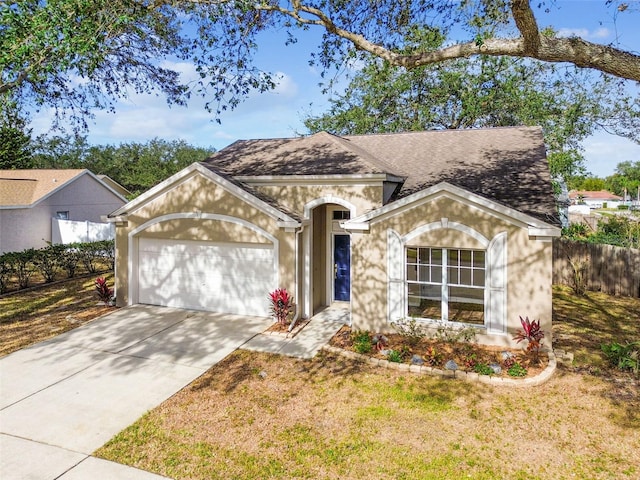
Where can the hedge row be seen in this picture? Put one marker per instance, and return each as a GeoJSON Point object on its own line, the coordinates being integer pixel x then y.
{"type": "Point", "coordinates": [53, 259]}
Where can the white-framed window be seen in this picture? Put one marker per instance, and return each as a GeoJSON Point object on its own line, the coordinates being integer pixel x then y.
{"type": "Point", "coordinates": [446, 284]}
{"type": "Point", "coordinates": [62, 215]}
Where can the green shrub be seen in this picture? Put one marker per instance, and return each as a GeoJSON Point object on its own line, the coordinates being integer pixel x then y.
{"type": "Point", "coordinates": [575, 231]}
{"type": "Point", "coordinates": [395, 356]}
{"type": "Point", "coordinates": [361, 341]}
{"type": "Point", "coordinates": [47, 261]}
{"type": "Point", "coordinates": [483, 369]}
{"type": "Point", "coordinates": [6, 271]}
{"type": "Point", "coordinates": [51, 259]}
{"type": "Point", "coordinates": [517, 370]}
{"type": "Point", "coordinates": [89, 254]}
{"type": "Point", "coordinates": [455, 334]}
{"type": "Point", "coordinates": [107, 252]}
{"type": "Point", "coordinates": [623, 357]}
{"type": "Point", "coordinates": [23, 266]}
{"type": "Point", "coordinates": [69, 260]}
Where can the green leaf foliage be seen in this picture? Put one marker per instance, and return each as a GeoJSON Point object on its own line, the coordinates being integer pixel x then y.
{"type": "Point", "coordinates": [135, 166]}
{"type": "Point", "coordinates": [15, 136]}
{"type": "Point", "coordinates": [484, 92]}
{"type": "Point", "coordinates": [75, 56]}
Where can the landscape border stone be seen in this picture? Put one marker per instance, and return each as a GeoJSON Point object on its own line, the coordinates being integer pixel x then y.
{"type": "Point", "coordinates": [472, 377]}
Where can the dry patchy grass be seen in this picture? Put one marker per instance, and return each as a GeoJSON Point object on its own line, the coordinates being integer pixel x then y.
{"type": "Point", "coordinates": [334, 418]}
{"type": "Point", "coordinates": [583, 323]}
{"type": "Point", "coordinates": [256, 415]}
{"type": "Point", "coordinates": [35, 315]}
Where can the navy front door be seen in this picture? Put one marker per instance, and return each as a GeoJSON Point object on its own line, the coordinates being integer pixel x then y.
{"type": "Point", "coordinates": [341, 267]}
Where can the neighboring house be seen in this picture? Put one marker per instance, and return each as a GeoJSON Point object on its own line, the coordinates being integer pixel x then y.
{"type": "Point", "coordinates": [599, 199]}
{"type": "Point", "coordinates": [453, 227]}
{"type": "Point", "coordinates": [32, 200]}
{"type": "Point", "coordinates": [114, 185]}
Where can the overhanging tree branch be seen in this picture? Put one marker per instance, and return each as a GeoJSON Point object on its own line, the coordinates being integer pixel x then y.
{"type": "Point", "coordinates": [531, 44]}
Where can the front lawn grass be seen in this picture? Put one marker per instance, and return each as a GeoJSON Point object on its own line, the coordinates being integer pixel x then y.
{"type": "Point", "coordinates": [256, 415]}
{"type": "Point", "coordinates": [31, 316]}
{"type": "Point", "coordinates": [582, 323]}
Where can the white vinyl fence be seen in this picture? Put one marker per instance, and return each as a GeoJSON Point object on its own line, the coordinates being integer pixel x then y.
{"type": "Point", "coordinates": [69, 231]}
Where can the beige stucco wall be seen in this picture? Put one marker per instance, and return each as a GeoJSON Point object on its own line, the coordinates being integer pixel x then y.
{"type": "Point", "coordinates": [295, 197]}
{"type": "Point", "coordinates": [319, 260]}
{"type": "Point", "coordinates": [529, 264]}
{"type": "Point", "coordinates": [199, 195]}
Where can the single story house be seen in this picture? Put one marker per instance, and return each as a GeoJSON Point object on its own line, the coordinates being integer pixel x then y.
{"type": "Point", "coordinates": [449, 227]}
{"type": "Point", "coordinates": [31, 201]}
{"type": "Point", "coordinates": [114, 185]}
{"type": "Point", "coordinates": [597, 199]}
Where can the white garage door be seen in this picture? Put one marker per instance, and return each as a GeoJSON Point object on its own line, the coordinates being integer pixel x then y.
{"type": "Point", "coordinates": [205, 276]}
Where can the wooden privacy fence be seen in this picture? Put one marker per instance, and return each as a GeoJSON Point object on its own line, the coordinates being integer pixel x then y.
{"type": "Point", "coordinates": [608, 269]}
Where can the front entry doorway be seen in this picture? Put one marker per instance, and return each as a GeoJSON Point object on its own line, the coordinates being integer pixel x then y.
{"type": "Point", "coordinates": [327, 259]}
{"type": "Point", "coordinates": [341, 268]}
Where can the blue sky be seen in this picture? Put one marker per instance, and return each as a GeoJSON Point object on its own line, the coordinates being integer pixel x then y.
{"type": "Point", "coordinates": [280, 113]}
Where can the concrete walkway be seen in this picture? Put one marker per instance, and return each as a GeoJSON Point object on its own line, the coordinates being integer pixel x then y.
{"type": "Point", "coordinates": [311, 338]}
{"type": "Point", "coordinates": [62, 399]}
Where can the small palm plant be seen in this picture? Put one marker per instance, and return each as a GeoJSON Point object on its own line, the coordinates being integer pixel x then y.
{"type": "Point", "coordinates": [532, 333]}
{"type": "Point", "coordinates": [281, 304]}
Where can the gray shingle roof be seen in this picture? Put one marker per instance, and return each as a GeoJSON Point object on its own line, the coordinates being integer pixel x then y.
{"type": "Point", "coordinates": [506, 165]}
{"type": "Point", "coordinates": [319, 154]}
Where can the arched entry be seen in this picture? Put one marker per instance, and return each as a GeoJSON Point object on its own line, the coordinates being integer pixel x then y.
{"type": "Point", "coordinates": [327, 254]}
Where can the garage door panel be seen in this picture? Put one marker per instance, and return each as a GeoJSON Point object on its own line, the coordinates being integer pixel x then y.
{"type": "Point", "coordinates": [225, 278]}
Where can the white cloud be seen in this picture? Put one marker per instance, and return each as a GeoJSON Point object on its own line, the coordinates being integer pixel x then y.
{"type": "Point", "coordinates": [603, 152]}
{"type": "Point", "coordinates": [285, 85]}
{"type": "Point", "coordinates": [600, 33]}
{"type": "Point", "coordinates": [141, 117]}
{"type": "Point", "coordinates": [573, 32]}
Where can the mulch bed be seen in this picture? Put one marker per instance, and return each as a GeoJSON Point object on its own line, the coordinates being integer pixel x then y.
{"type": "Point", "coordinates": [282, 330]}
{"type": "Point", "coordinates": [436, 353]}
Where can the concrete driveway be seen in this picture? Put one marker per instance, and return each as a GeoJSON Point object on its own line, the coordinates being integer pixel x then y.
{"type": "Point", "coordinates": [62, 399]}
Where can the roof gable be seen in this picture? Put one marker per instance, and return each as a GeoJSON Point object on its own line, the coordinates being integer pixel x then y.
{"type": "Point", "coordinates": [27, 188]}
{"type": "Point", "coordinates": [318, 154]}
{"type": "Point", "coordinates": [114, 185]}
{"type": "Point", "coordinates": [229, 184]}
{"type": "Point", "coordinates": [536, 226]}
{"type": "Point", "coordinates": [506, 165]}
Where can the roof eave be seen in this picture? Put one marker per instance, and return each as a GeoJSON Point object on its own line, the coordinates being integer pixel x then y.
{"type": "Point", "coordinates": [536, 227]}
{"type": "Point", "coordinates": [302, 178]}
{"type": "Point", "coordinates": [127, 209]}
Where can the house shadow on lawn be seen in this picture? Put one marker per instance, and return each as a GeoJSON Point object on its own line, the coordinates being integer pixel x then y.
{"type": "Point", "coordinates": [239, 372]}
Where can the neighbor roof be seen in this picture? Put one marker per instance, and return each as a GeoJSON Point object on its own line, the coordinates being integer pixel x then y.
{"type": "Point", "coordinates": [507, 165]}
{"type": "Point", "coordinates": [27, 187]}
{"type": "Point", "coordinates": [598, 195]}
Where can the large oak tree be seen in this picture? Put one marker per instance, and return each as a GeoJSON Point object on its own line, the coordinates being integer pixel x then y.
{"type": "Point", "coordinates": [77, 55]}
{"type": "Point", "coordinates": [569, 103]}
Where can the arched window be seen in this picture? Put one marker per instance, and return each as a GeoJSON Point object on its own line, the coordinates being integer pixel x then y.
{"type": "Point", "coordinates": [448, 284]}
